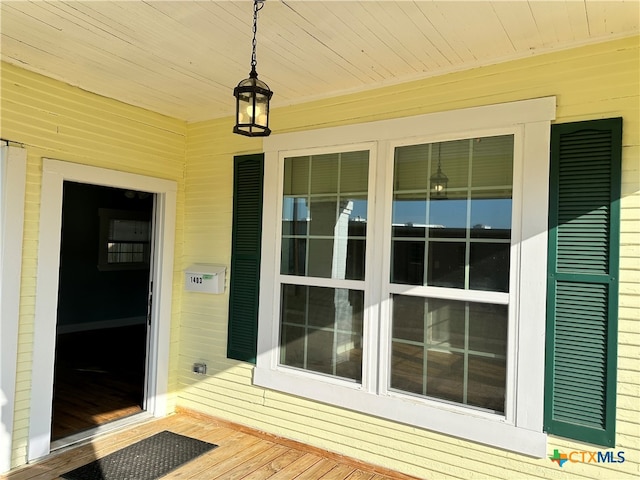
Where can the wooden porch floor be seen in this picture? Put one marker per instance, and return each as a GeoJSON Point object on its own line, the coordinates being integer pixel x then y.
{"type": "Point", "coordinates": [242, 453]}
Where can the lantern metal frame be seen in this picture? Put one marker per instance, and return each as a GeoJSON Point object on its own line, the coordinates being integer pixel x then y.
{"type": "Point", "coordinates": [439, 181]}
{"type": "Point", "coordinates": [253, 95]}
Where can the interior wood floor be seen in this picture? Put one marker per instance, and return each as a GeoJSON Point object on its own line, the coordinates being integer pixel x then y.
{"type": "Point", "coordinates": [99, 378]}
{"type": "Point", "coordinates": [85, 399]}
{"type": "Point", "coordinates": [242, 453]}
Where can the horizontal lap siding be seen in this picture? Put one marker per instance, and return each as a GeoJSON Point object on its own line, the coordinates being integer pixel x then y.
{"type": "Point", "coordinates": [595, 81]}
{"type": "Point", "coordinates": [54, 120]}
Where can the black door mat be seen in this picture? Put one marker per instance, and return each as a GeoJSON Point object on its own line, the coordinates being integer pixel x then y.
{"type": "Point", "coordinates": [147, 459]}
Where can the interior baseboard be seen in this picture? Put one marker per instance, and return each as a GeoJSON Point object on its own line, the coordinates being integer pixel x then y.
{"type": "Point", "coordinates": [100, 324]}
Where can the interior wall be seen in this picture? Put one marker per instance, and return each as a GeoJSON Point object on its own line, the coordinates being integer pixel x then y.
{"type": "Point", "coordinates": [88, 294]}
{"type": "Point", "coordinates": [596, 81]}
{"type": "Point", "coordinates": [54, 120]}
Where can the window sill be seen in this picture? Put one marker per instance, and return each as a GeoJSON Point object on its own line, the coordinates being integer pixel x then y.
{"type": "Point", "coordinates": [471, 425]}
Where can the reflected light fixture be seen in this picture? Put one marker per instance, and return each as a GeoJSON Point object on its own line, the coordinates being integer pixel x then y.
{"type": "Point", "coordinates": [253, 95]}
{"type": "Point", "coordinates": [439, 181]}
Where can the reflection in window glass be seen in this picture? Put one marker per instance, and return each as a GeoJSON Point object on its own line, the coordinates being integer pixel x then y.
{"type": "Point", "coordinates": [446, 264]}
{"type": "Point", "coordinates": [407, 262]}
{"type": "Point", "coordinates": [294, 255]}
{"type": "Point", "coordinates": [295, 216]}
{"type": "Point", "coordinates": [465, 234]}
{"type": "Point", "coordinates": [126, 252]}
{"type": "Point", "coordinates": [322, 220]}
{"type": "Point", "coordinates": [491, 216]}
{"type": "Point", "coordinates": [321, 330]}
{"type": "Point", "coordinates": [448, 218]}
{"type": "Point", "coordinates": [450, 350]}
{"type": "Point", "coordinates": [489, 267]}
{"type": "Point", "coordinates": [324, 215]}
{"type": "Point", "coordinates": [324, 173]}
{"type": "Point", "coordinates": [296, 176]}
{"type": "Point", "coordinates": [492, 161]}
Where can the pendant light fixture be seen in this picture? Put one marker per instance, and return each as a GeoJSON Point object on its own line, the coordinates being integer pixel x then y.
{"type": "Point", "coordinates": [253, 95]}
{"type": "Point", "coordinates": [439, 181]}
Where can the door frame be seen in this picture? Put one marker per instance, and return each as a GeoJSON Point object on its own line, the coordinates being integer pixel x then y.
{"type": "Point", "coordinates": [54, 174]}
{"type": "Point", "coordinates": [13, 174]}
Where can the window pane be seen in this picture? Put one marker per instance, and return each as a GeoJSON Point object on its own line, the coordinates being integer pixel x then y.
{"type": "Point", "coordinates": [409, 215]}
{"type": "Point", "coordinates": [411, 171]}
{"type": "Point", "coordinates": [294, 254]}
{"type": "Point", "coordinates": [321, 258]}
{"type": "Point", "coordinates": [324, 173]}
{"type": "Point", "coordinates": [445, 375]}
{"type": "Point", "coordinates": [354, 172]}
{"type": "Point", "coordinates": [486, 383]}
{"type": "Point", "coordinates": [323, 216]}
{"type": "Point", "coordinates": [293, 338]}
{"type": "Point", "coordinates": [408, 262]}
{"type": "Point", "coordinates": [321, 330]}
{"type": "Point", "coordinates": [491, 215]}
{"type": "Point", "coordinates": [489, 266]}
{"type": "Point", "coordinates": [354, 268]}
{"type": "Point", "coordinates": [294, 305]}
{"type": "Point", "coordinates": [320, 355]}
{"type": "Point", "coordinates": [492, 161]}
{"type": "Point", "coordinates": [296, 175]}
{"type": "Point", "coordinates": [295, 215]}
{"type": "Point", "coordinates": [448, 217]}
{"type": "Point", "coordinates": [446, 323]}
{"type": "Point", "coordinates": [451, 350]}
{"type": "Point", "coordinates": [119, 252]}
{"type": "Point", "coordinates": [488, 328]}
{"type": "Point", "coordinates": [355, 208]}
{"type": "Point", "coordinates": [446, 264]}
{"type": "Point", "coordinates": [409, 318]}
{"type": "Point", "coordinates": [453, 158]}
{"type": "Point", "coordinates": [407, 364]}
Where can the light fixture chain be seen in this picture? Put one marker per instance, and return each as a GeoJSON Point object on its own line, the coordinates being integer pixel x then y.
{"type": "Point", "coordinates": [257, 6]}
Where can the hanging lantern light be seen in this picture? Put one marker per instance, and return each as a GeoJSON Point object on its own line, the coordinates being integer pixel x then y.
{"type": "Point", "coordinates": [253, 95]}
{"type": "Point", "coordinates": [439, 181]}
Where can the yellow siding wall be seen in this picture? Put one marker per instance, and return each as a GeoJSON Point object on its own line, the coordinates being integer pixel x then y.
{"type": "Point", "coordinates": [58, 121]}
{"type": "Point", "coordinates": [591, 82]}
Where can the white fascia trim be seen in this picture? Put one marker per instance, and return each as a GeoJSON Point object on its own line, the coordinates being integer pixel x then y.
{"type": "Point", "coordinates": [54, 174]}
{"type": "Point", "coordinates": [12, 189]}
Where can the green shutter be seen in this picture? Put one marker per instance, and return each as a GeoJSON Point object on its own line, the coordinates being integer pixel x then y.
{"type": "Point", "coordinates": [582, 296]}
{"type": "Point", "coordinates": [245, 257]}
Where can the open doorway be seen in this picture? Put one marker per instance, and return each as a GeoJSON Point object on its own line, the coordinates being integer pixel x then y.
{"type": "Point", "coordinates": [103, 307]}
{"type": "Point", "coordinates": [54, 174]}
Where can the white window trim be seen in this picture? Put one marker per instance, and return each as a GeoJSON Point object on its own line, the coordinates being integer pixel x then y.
{"type": "Point", "coordinates": [520, 429]}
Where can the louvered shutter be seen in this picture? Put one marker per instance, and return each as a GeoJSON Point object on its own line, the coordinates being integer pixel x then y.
{"type": "Point", "coordinates": [584, 224]}
{"type": "Point", "coordinates": [245, 257]}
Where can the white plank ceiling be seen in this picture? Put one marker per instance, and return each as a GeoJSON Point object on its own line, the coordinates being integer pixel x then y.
{"type": "Point", "coordinates": [183, 58]}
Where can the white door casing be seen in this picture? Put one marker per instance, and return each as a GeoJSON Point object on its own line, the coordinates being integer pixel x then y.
{"type": "Point", "coordinates": [54, 174]}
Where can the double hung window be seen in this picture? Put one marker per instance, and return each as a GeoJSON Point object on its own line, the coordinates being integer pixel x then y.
{"type": "Point", "coordinates": [397, 297]}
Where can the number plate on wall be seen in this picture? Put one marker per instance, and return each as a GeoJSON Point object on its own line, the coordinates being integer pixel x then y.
{"type": "Point", "coordinates": [205, 278]}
